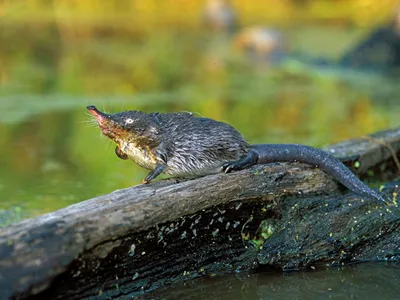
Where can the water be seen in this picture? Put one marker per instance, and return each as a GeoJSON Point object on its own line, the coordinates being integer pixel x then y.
{"type": "Point", "coordinates": [363, 281]}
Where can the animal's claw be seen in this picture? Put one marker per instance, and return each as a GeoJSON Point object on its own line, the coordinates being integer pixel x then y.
{"type": "Point", "coordinates": [228, 167]}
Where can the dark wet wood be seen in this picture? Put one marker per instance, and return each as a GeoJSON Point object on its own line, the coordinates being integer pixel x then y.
{"type": "Point", "coordinates": [134, 240]}
{"type": "Point", "coordinates": [372, 156]}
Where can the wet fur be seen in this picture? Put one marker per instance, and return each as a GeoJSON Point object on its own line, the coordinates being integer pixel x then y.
{"type": "Point", "coordinates": [188, 145]}
{"type": "Point", "coordinates": [198, 146]}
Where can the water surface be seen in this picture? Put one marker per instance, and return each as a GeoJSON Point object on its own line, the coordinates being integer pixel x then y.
{"type": "Point", "coordinates": [363, 281]}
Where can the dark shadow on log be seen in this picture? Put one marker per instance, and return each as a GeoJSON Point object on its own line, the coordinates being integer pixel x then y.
{"type": "Point", "coordinates": [288, 216]}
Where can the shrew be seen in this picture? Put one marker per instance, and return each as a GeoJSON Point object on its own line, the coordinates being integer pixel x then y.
{"type": "Point", "coordinates": [182, 145]}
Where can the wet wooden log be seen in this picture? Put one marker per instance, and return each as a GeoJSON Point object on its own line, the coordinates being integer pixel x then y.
{"type": "Point", "coordinates": [138, 239]}
{"type": "Point", "coordinates": [374, 156]}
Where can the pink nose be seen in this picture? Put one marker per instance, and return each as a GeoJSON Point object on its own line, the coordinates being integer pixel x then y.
{"type": "Point", "coordinates": [100, 116]}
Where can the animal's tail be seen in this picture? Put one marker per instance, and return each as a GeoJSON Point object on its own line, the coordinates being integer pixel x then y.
{"type": "Point", "coordinates": [268, 153]}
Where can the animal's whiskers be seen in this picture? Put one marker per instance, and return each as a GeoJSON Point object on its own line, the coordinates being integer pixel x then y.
{"type": "Point", "coordinates": [90, 121]}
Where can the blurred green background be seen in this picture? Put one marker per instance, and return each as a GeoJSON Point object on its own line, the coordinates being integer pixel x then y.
{"type": "Point", "coordinates": [57, 57]}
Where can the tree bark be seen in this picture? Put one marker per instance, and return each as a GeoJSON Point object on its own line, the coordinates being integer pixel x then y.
{"type": "Point", "coordinates": [135, 240]}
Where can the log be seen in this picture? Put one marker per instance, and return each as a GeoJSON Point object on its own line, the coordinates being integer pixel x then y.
{"type": "Point", "coordinates": [372, 156]}
{"type": "Point", "coordinates": [135, 240]}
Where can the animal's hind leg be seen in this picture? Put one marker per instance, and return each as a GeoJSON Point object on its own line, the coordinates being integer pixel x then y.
{"type": "Point", "coordinates": [244, 163]}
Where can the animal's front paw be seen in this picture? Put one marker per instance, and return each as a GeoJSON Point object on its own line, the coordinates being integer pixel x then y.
{"type": "Point", "coordinates": [145, 181]}
{"type": "Point", "coordinates": [120, 154]}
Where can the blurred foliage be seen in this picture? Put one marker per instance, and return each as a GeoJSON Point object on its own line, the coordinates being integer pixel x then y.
{"type": "Point", "coordinates": [56, 57]}
{"type": "Point", "coordinates": [122, 47]}
{"type": "Point", "coordinates": [149, 13]}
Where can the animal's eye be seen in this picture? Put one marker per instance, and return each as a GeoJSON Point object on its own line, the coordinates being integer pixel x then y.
{"type": "Point", "coordinates": [129, 121]}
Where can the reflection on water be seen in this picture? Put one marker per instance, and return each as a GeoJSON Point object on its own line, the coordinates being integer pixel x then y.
{"type": "Point", "coordinates": [364, 281]}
